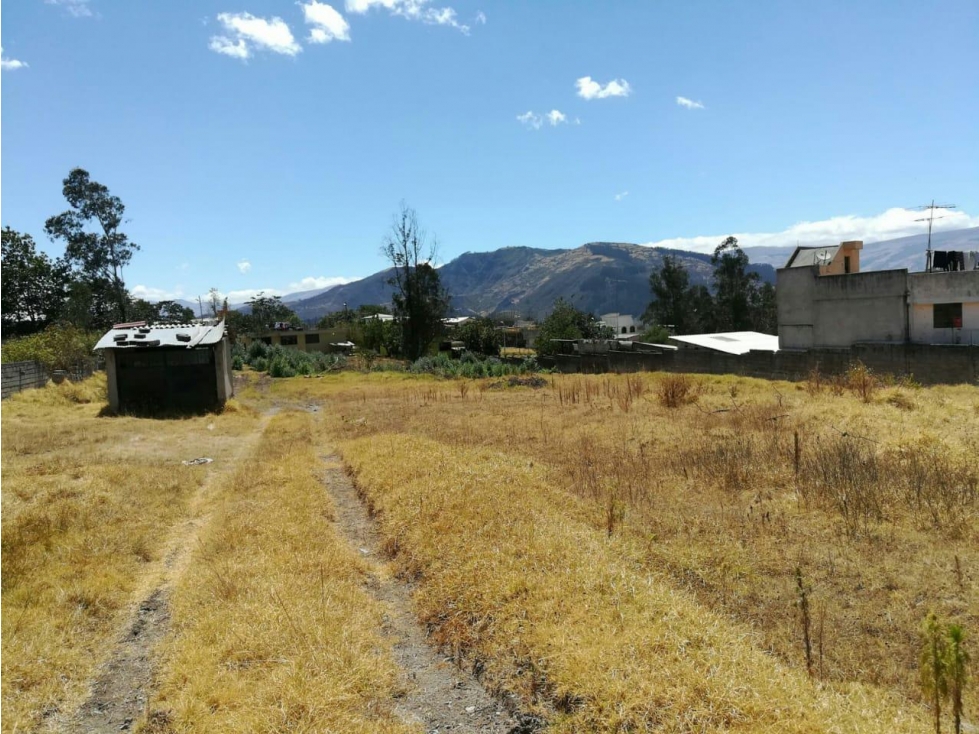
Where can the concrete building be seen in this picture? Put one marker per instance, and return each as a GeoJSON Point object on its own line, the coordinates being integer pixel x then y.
{"type": "Point", "coordinates": [167, 367]}
{"type": "Point", "coordinates": [836, 260]}
{"type": "Point", "coordinates": [621, 323]}
{"type": "Point", "coordinates": [944, 307]}
{"type": "Point", "coordinates": [313, 340]}
{"type": "Point", "coordinates": [818, 308]}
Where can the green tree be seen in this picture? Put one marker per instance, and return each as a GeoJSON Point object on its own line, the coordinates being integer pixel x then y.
{"type": "Point", "coordinates": [734, 287]}
{"type": "Point", "coordinates": [567, 322]}
{"type": "Point", "coordinates": [480, 335]}
{"type": "Point", "coordinates": [34, 287]}
{"type": "Point", "coordinates": [764, 312]}
{"type": "Point", "coordinates": [934, 654]}
{"type": "Point", "coordinates": [102, 254]}
{"type": "Point", "coordinates": [420, 302]}
{"type": "Point", "coordinates": [703, 313]}
{"type": "Point", "coordinates": [140, 310]}
{"type": "Point", "coordinates": [381, 336]}
{"type": "Point", "coordinates": [268, 310]}
{"type": "Point", "coordinates": [957, 665]}
{"type": "Point", "coordinates": [672, 297]}
{"type": "Point", "coordinates": [655, 334]}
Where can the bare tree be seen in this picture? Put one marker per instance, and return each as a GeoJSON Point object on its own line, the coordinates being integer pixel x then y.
{"type": "Point", "coordinates": [420, 302]}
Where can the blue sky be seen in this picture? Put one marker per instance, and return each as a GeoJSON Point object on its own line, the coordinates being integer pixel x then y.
{"type": "Point", "coordinates": [266, 144]}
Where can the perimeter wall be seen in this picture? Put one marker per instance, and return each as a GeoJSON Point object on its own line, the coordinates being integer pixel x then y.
{"type": "Point", "coordinates": [928, 364]}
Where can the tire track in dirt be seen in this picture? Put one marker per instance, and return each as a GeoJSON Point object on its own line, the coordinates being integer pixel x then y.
{"type": "Point", "coordinates": [439, 696]}
{"type": "Point", "coordinates": [124, 682]}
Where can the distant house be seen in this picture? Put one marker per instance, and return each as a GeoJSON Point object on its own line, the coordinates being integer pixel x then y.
{"type": "Point", "coordinates": [621, 323]}
{"type": "Point", "coordinates": [167, 367]}
{"type": "Point", "coordinates": [305, 340]}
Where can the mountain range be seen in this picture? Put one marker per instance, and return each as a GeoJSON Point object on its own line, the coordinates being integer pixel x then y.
{"type": "Point", "coordinates": [598, 277]}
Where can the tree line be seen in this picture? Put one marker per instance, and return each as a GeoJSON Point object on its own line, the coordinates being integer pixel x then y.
{"type": "Point", "coordinates": [84, 287]}
{"type": "Point", "coordinates": [739, 300]}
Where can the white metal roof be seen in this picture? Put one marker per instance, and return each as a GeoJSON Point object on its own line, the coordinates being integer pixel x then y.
{"type": "Point", "coordinates": [732, 342]}
{"type": "Point", "coordinates": [140, 335]}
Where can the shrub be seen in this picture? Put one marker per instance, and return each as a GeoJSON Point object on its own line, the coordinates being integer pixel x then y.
{"type": "Point", "coordinates": [677, 390]}
{"type": "Point", "coordinates": [862, 381]}
{"type": "Point", "coordinates": [58, 347]}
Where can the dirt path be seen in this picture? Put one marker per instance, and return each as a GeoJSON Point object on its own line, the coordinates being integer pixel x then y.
{"type": "Point", "coordinates": [440, 696]}
{"type": "Point", "coordinates": [121, 690]}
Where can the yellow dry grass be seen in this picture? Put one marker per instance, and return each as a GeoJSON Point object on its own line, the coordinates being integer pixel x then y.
{"type": "Point", "coordinates": [88, 503]}
{"type": "Point", "coordinates": [513, 576]}
{"type": "Point", "coordinates": [882, 518]}
{"type": "Point", "coordinates": [273, 629]}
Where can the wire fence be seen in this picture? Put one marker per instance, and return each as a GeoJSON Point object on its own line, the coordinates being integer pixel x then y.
{"type": "Point", "coordinates": [18, 376]}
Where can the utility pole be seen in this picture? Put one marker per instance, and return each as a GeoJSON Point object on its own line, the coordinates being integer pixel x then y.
{"type": "Point", "coordinates": [930, 208]}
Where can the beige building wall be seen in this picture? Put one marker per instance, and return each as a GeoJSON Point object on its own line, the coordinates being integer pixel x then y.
{"type": "Point", "coordinates": [926, 290]}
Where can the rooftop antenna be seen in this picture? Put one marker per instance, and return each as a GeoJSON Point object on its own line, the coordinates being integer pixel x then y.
{"type": "Point", "coordinates": [930, 208]}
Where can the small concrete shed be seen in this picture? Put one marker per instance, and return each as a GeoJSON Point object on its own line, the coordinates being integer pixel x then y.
{"type": "Point", "coordinates": [167, 367]}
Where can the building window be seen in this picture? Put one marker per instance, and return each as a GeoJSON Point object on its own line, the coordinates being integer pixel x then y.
{"type": "Point", "coordinates": [623, 330]}
{"type": "Point", "coordinates": [266, 340]}
{"type": "Point", "coordinates": [632, 329]}
{"type": "Point", "coordinates": [948, 316]}
{"type": "Point", "coordinates": [846, 264]}
{"type": "Point", "coordinates": [312, 338]}
{"type": "Point", "coordinates": [290, 340]}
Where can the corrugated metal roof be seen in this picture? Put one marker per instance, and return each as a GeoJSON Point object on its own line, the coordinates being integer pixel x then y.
{"type": "Point", "coordinates": [140, 335]}
{"type": "Point", "coordinates": [733, 342]}
{"type": "Point", "coordinates": [805, 257]}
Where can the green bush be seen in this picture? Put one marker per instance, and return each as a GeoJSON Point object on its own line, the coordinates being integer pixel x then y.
{"type": "Point", "coordinates": [58, 347]}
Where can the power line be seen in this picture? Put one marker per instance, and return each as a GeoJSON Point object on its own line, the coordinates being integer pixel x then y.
{"type": "Point", "coordinates": [930, 208]}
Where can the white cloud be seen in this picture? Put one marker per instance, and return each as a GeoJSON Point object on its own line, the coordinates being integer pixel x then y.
{"type": "Point", "coordinates": [588, 88]}
{"type": "Point", "coordinates": [556, 117]}
{"type": "Point", "coordinates": [621, 195]}
{"type": "Point", "coordinates": [531, 120]}
{"type": "Point", "coordinates": [244, 266]}
{"type": "Point", "coordinates": [236, 49]}
{"type": "Point", "coordinates": [247, 33]}
{"type": "Point", "coordinates": [689, 103]}
{"type": "Point", "coordinates": [328, 24]}
{"type": "Point", "coordinates": [890, 224]}
{"type": "Point", "coordinates": [74, 8]}
{"type": "Point", "coordinates": [309, 284]}
{"type": "Point", "coordinates": [11, 64]}
{"type": "Point", "coordinates": [148, 293]}
{"type": "Point", "coordinates": [534, 121]}
{"type": "Point", "coordinates": [480, 18]}
{"type": "Point", "coordinates": [419, 10]}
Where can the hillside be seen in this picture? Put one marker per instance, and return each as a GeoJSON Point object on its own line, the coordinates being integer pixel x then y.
{"type": "Point", "coordinates": [599, 277]}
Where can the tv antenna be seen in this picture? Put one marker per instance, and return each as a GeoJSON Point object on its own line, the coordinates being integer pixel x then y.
{"type": "Point", "coordinates": [930, 208]}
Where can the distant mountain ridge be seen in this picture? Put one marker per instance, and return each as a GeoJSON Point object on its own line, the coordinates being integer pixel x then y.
{"type": "Point", "coordinates": [598, 277]}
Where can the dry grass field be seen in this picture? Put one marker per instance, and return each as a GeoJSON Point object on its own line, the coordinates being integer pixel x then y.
{"type": "Point", "coordinates": [88, 506]}
{"type": "Point", "coordinates": [609, 553]}
{"type": "Point", "coordinates": [877, 509]}
{"type": "Point", "coordinates": [272, 628]}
